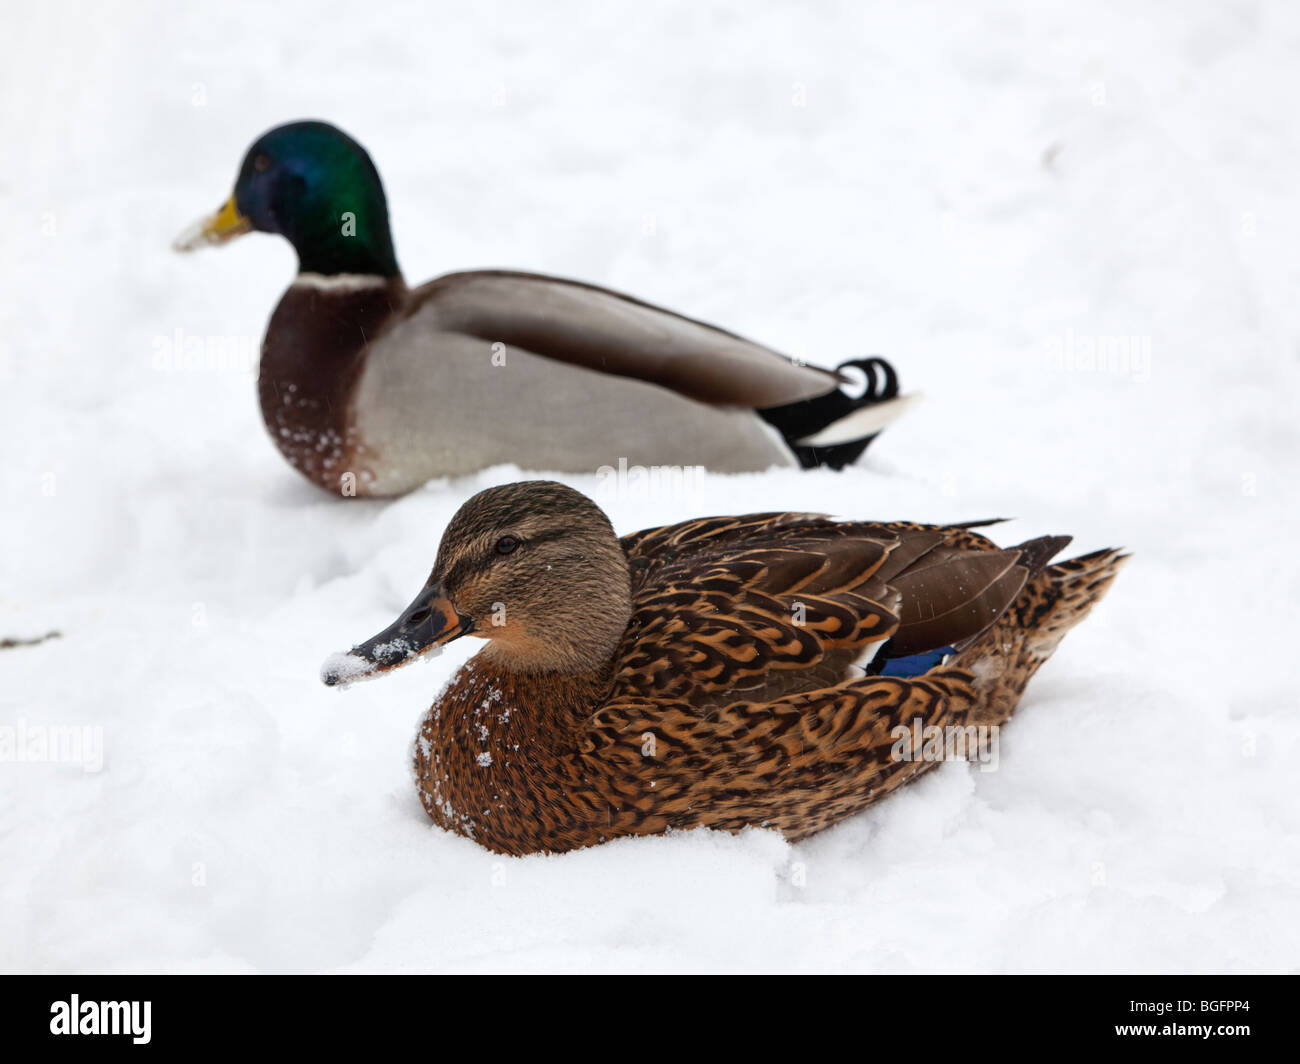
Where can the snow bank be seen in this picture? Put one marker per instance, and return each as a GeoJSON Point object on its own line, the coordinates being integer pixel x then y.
{"type": "Point", "coordinates": [1074, 231]}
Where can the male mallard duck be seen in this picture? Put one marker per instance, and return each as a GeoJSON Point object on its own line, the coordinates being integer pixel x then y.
{"type": "Point", "coordinates": [372, 388]}
{"type": "Point", "coordinates": [729, 671]}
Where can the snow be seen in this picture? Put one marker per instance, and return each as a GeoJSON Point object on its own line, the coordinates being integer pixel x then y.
{"type": "Point", "coordinates": [1073, 230]}
{"type": "Point", "coordinates": [340, 670]}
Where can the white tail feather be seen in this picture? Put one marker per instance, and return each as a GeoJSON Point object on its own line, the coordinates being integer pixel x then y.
{"type": "Point", "coordinates": [865, 421]}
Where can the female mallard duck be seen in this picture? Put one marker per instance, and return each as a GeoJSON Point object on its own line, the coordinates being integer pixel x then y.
{"type": "Point", "coordinates": [372, 388]}
{"type": "Point", "coordinates": [729, 671]}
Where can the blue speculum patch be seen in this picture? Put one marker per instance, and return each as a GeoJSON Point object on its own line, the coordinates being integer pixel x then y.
{"type": "Point", "coordinates": [916, 664]}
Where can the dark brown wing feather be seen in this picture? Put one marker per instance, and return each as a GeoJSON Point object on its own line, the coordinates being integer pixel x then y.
{"type": "Point", "coordinates": [954, 598]}
{"type": "Point", "coordinates": [766, 606]}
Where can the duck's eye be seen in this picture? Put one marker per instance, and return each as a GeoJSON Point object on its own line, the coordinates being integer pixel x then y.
{"type": "Point", "coordinates": [261, 162]}
{"type": "Point", "coordinates": [506, 545]}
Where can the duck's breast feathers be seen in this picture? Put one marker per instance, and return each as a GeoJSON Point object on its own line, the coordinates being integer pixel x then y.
{"type": "Point", "coordinates": [612, 333]}
{"type": "Point", "coordinates": [312, 360]}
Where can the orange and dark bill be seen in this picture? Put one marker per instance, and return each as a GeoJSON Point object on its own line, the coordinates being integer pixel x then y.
{"type": "Point", "coordinates": [428, 622]}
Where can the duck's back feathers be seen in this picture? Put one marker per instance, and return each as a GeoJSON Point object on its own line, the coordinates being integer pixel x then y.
{"type": "Point", "coordinates": [603, 330]}
{"type": "Point", "coordinates": [773, 604]}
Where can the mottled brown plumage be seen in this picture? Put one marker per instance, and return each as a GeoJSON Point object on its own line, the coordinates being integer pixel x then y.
{"type": "Point", "coordinates": [715, 672]}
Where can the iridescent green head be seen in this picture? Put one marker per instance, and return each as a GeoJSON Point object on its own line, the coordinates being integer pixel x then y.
{"type": "Point", "coordinates": [315, 186]}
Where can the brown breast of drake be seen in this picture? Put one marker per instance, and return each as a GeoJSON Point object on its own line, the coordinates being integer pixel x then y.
{"type": "Point", "coordinates": [312, 356]}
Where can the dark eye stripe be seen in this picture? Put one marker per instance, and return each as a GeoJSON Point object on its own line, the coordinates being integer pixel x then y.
{"type": "Point", "coordinates": [467, 565]}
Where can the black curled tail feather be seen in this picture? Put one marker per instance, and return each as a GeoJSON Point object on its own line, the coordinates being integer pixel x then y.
{"type": "Point", "coordinates": [798, 421]}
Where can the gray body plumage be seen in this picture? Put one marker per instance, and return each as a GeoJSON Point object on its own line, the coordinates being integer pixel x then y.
{"type": "Point", "coordinates": [458, 385]}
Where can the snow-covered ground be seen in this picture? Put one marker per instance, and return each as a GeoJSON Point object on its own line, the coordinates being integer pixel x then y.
{"type": "Point", "coordinates": [981, 196]}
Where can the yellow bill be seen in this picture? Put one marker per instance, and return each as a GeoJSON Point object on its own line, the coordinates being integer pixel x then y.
{"type": "Point", "coordinates": [217, 228]}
